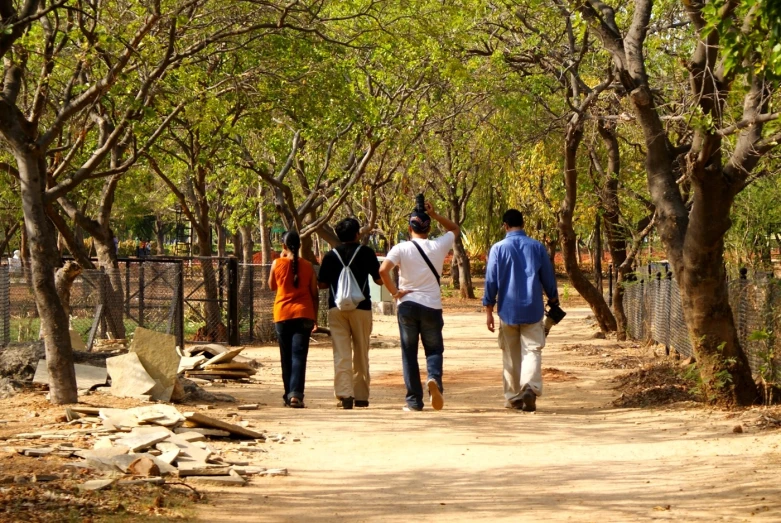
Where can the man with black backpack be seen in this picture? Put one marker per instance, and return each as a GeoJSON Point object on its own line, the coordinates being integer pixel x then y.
{"type": "Point", "coordinates": [345, 272]}
{"type": "Point", "coordinates": [419, 301]}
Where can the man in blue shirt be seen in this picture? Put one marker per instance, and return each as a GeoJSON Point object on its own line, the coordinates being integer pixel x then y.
{"type": "Point", "coordinates": [518, 271]}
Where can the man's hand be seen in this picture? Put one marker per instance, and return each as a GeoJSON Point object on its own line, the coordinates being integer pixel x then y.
{"type": "Point", "coordinates": [430, 209]}
{"type": "Point", "coordinates": [489, 320]}
{"type": "Point", "coordinates": [400, 294]}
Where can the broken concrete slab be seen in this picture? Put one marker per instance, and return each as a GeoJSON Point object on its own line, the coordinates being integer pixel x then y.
{"type": "Point", "coordinates": [157, 352]}
{"type": "Point", "coordinates": [128, 376]}
{"type": "Point", "coordinates": [227, 481]}
{"type": "Point", "coordinates": [187, 432]}
{"type": "Point", "coordinates": [102, 453]}
{"type": "Point", "coordinates": [225, 357]}
{"type": "Point", "coordinates": [169, 456]}
{"type": "Point", "coordinates": [248, 470]}
{"type": "Point", "coordinates": [194, 468]}
{"type": "Point", "coordinates": [215, 423]}
{"type": "Point", "coordinates": [87, 376]}
{"type": "Point", "coordinates": [141, 439]}
{"type": "Point", "coordinates": [163, 415]}
{"type": "Point", "coordinates": [191, 362]}
{"type": "Point", "coordinates": [188, 451]}
{"type": "Point", "coordinates": [37, 452]}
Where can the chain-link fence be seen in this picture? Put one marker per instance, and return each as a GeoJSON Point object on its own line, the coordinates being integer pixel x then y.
{"type": "Point", "coordinates": [190, 298]}
{"type": "Point", "coordinates": [5, 307]}
{"type": "Point", "coordinates": [653, 310]}
{"type": "Point", "coordinates": [256, 305]}
{"type": "Point", "coordinates": [104, 304]}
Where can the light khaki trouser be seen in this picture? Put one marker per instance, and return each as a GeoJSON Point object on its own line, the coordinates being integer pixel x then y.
{"type": "Point", "coordinates": [350, 332]}
{"type": "Point", "coordinates": [521, 358]}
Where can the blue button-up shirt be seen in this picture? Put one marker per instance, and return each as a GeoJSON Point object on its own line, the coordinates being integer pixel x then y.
{"type": "Point", "coordinates": [518, 270]}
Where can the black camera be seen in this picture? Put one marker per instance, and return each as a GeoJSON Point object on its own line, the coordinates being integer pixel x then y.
{"type": "Point", "coordinates": [555, 313]}
{"type": "Point", "coordinates": [420, 203]}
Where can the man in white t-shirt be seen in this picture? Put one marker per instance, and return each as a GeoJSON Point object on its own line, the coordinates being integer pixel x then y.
{"type": "Point", "coordinates": [419, 302]}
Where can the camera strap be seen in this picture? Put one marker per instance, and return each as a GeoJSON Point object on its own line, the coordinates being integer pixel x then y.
{"type": "Point", "coordinates": [428, 262]}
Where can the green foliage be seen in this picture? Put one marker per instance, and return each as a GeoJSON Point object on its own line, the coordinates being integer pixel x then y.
{"type": "Point", "coordinates": [750, 35]}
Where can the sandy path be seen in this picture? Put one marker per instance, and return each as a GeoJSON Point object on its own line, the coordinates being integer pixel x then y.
{"type": "Point", "coordinates": [574, 460]}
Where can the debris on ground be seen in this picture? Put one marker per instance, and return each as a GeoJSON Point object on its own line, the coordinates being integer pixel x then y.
{"type": "Point", "coordinates": [215, 362]}
{"type": "Point", "coordinates": [655, 384]}
{"type": "Point", "coordinates": [110, 346]}
{"type": "Point", "coordinates": [149, 443]}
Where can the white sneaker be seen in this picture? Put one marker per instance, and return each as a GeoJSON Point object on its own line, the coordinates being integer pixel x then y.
{"type": "Point", "coordinates": [437, 400]}
{"type": "Point", "coordinates": [407, 408]}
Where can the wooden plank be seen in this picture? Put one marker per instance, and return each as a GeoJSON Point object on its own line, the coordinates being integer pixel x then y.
{"type": "Point", "coordinates": [230, 427]}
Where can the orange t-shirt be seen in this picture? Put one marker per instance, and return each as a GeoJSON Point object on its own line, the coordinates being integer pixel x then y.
{"type": "Point", "coordinates": [293, 302]}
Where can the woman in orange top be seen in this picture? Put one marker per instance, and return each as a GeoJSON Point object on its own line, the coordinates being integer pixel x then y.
{"type": "Point", "coordinates": [295, 313]}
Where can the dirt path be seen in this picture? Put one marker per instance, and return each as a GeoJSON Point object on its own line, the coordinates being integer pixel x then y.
{"type": "Point", "coordinates": [576, 459]}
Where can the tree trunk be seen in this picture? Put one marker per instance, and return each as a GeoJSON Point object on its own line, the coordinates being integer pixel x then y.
{"type": "Point", "coordinates": [114, 290]}
{"type": "Point", "coordinates": [44, 260]}
{"type": "Point", "coordinates": [596, 261]}
{"type": "Point", "coordinates": [265, 237]}
{"type": "Point", "coordinates": [76, 249]}
{"type": "Point", "coordinates": [24, 248]}
{"type": "Point", "coordinates": [455, 276]}
{"type": "Point", "coordinates": [211, 306]}
{"type": "Point", "coordinates": [222, 241]}
{"type": "Point", "coordinates": [160, 233]}
{"type": "Point", "coordinates": [307, 251]}
{"type": "Point", "coordinates": [238, 248]}
{"type": "Point", "coordinates": [569, 249]}
{"type": "Point", "coordinates": [464, 269]}
{"type": "Point", "coordinates": [551, 245]}
{"type": "Point", "coordinates": [702, 278]}
{"type": "Point", "coordinates": [247, 270]}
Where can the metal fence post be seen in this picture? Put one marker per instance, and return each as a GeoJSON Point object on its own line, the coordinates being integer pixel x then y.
{"type": "Point", "coordinates": [141, 285]}
{"type": "Point", "coordinates": [669, 279]}
{"type": "Point", "coordinates": [743, 286]}
{"type": "Point", "coordinates": [5, 304]}
{"type": "Point", "coordinates": [180, 304]}
{"type": "Point", "coordinates": [251, 286]}
{"type": "Point", "coordinates": [233, 302]}
{"type": "Point", "coordinates": [641, 312]}
{"type": "Point", "coordinates": [127, 288]}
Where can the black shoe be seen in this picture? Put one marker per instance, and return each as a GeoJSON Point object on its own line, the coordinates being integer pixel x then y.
{"type": "Point", "coordinates": [529, 399]}
{"type": "Point", "coordinates": [361, 403]}
{"type": "Point", "coordinates": [345, 403]}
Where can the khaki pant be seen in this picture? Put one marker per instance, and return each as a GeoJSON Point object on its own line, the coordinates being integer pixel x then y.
{"type": "Point", "coordinates": [522, 358]}
{"type": "Point", "coordinates": [350, 332]}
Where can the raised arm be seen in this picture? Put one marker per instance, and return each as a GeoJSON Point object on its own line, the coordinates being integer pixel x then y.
{"type": "Point", "coordinates": [447, 223]}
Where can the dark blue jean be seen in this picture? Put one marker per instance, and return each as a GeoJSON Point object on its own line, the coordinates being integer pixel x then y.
{"type": "Point", "coordinates": [293, 336]}
{"type": "Point", "coordinates": [424, 323]}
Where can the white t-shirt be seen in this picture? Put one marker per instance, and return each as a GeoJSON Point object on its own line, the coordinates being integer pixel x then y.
{"type": "Point", "coordinates": [415, 274]}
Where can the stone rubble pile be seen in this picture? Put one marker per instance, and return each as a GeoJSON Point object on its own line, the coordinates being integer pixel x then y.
{"type": "Point", "coordinates": [152, 443]}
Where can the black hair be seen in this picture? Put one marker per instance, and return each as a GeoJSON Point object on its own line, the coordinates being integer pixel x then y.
{"type": "Point", "coordinates": [347, 229]}
{"type": "Point", "coordinates": [292, 241]}
{"type": "Point", "coordinates": [513, 218]}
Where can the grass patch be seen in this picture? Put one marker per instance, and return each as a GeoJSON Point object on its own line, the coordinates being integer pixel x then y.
{"type": "Point", "coordinates": [62, 502]}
